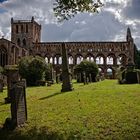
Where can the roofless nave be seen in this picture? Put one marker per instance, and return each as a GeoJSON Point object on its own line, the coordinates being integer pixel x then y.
{"type": "Point", "coordinates": [25, 40]}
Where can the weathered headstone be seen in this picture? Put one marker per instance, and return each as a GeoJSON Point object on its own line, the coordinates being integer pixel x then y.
{"type": "Point", "coordinates": [90, 78]}
{"type": "Point", "coordinates": [84, 77]}
{"type": "Point", "coordinates": [66, 82]}
{"type": "Point", "coordinates": [18, 106]}
{"type": "Point", "coordinates": [12, 77]}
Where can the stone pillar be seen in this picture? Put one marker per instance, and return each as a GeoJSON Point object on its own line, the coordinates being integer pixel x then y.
{"type": "Point", "coordinates": [12, 77]}
{"type": "Point", "coordinates": [66, 83]}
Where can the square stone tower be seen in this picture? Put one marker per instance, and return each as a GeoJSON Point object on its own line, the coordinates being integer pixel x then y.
{"type": "Point", "coordinates": [25, 32]}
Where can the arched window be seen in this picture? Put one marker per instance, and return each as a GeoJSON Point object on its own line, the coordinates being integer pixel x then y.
{"type": "Point", "coordinates": [60, 60]}
{"type": "Point", "coordinates": [16, 28]}
{"type": "Point", "coordinates": [99, 60]}
{"type": "Point", "coordinates": [110, 60]}
{"type": "Point", "coordinates": [79, 59]}
{"type": "Point", "coordinates": [18, 41]}
{"type": "Point", "coordinates": [26, 28]}
{"type": "Point", "coordinates": [3, 56]}
{"type": "Point", "coordinates": [70, 60]}
{"type": "Point", "coordinates": [21, 28]}
{"type": "Point", "coordinates": [24, 42]}
{"type": "Point", "coordinates": [46, 60]}
{"type": "Point", "coordinates": [51, 60]}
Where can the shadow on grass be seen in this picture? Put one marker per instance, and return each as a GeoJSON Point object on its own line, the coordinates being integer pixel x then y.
{"type": "Point", "coordinates": [34, 134]}
{"type": "Point", "coordinates": [52, 95]}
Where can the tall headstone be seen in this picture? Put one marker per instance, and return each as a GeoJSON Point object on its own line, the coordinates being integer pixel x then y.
{"type": "Point", "coordinates": [18, 106]}
{"type": "Point", "coordinates": [66, 80]}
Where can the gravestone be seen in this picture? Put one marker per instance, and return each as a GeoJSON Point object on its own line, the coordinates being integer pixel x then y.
{"type": "Point", "coordinates": [84, 78]}
{"type": "Point", "coordinates": [90, 78]}
{"type": "Point", "coordinates": [18, 106]}
{"type": "Point", "coordinates": [12, 77]}
{"type": "Point", "coordinates": [66, 80]}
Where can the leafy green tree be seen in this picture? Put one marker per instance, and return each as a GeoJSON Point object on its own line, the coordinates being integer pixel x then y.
{"type": "Point", "coordinates": [137, 57]}
{"type": "Point", "coordinates": [87, 67]}
{"type": "Point", "coordinates": [65, 9]}
{"type": "Point", "coordinates": [32, 69]}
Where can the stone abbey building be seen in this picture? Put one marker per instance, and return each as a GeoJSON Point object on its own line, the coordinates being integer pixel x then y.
{"type": "Point", "coordinates": [26, 40]}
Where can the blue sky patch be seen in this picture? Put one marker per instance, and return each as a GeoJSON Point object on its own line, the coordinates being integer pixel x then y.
{"type": "Point", "coordinates": [2, 1]}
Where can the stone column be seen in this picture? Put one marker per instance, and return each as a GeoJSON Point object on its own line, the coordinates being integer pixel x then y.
{"type": "Point", "coordinates": [66, 82]}
{"type": "Point", "coordinates": [12, 77]}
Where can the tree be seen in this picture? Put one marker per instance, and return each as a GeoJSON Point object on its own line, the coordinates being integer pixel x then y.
{"type": "Point", "coordinates": [32, 69]}
{"type": "Point", "coordinates": [87, 67]}
{"type": "Point", "coordinates": [137, 57]}
{"type": "Point", "coordinates": [65, 9]}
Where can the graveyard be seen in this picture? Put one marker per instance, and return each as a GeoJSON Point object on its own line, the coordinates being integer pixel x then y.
{"type": "Point", "coordinates": [100, 110]}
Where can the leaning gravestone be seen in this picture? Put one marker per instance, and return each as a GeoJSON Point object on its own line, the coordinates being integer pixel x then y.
{"type": "Point", "coordinates": [18, 106]}
{"type": "Point", "coordinates": [66, 80]}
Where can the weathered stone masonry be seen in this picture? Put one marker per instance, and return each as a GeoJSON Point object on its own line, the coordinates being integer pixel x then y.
{"type": "Point", "coordinates": [26, 36]}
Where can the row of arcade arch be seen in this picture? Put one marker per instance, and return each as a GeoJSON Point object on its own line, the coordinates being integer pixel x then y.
{"type": "Point", "coordinates": [99, 59]}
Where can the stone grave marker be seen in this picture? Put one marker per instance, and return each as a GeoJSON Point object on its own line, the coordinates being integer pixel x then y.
{"type": "Point", "coordinates": [18, 106]}
{"type": "Point", "coordinates": [18, 103]}
{"type": "Point", "coordinates": [66, 80]}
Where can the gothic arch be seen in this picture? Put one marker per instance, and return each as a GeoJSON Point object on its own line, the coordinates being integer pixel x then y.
{"type": "Point", "coordinates": [79, 58]}
{"type": "Point", "coordinates": [90, 57]}
{"type": "Point", "coordinates": [100, 59]}
{"type": "Point", "coordinates": [70, 59]}
{"type": "Point", "coordinates": [121, 59]}
{"type": "Point", "coordinates": [111, 59]}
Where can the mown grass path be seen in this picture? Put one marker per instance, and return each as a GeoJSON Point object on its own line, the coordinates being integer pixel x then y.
{"type": "Point", "coordinates": [102, 110]}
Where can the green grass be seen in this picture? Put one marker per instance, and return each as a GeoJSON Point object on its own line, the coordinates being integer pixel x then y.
{"type": "Point", "coordinates": [102, 110]}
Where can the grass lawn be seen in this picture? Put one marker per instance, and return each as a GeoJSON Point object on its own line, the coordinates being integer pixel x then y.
{"type": "Point", "coordinates": [102, 110]}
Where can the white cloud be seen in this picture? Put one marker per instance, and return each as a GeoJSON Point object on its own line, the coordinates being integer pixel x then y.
{"type": "Point", "coordinates": [110, 24]}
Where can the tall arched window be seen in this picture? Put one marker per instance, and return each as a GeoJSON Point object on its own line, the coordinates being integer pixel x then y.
{"type": "Point", "coordinates": [26, 28]}
{"type": "Point", "coordinates": [24, 42]}
{"type": "Point", "coordinates": [21, 28]}
{"type": "Point", "coordinates": [16, 28]}
{"type": "Point", "coordinates": [18, 41]}
{"type": "Point", "coordinates": [3, 56]}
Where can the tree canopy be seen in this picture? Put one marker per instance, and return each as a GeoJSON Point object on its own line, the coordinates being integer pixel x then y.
{"type": "Point", "coordinates": [32, 69]}
{"type": "Point", "coordinates": [65, 9]}
{"type": "Point", "coordinates": [87, 67]}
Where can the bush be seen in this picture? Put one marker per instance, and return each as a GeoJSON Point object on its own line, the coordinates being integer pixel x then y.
{"type": "Point", "coordinates": [32, 69]}
{"type": "Point", "coordinates": [87, 67]}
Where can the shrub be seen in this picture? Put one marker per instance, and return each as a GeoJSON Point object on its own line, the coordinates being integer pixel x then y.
{"type": "Point", "coordinates": [88, 68]}
{"type": "Point", "coordinates": [32, 68]}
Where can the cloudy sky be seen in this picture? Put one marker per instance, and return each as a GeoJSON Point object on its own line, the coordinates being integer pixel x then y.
{"type": "Point", "coordinates": [110, 24]}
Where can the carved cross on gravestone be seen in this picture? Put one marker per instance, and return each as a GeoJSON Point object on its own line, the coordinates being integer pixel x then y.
{"type": "Point", "coordinates": [66, 80]}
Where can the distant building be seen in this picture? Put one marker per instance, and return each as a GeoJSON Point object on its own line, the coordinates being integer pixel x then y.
{"type": "Point", "coordinates": [25, 40]}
